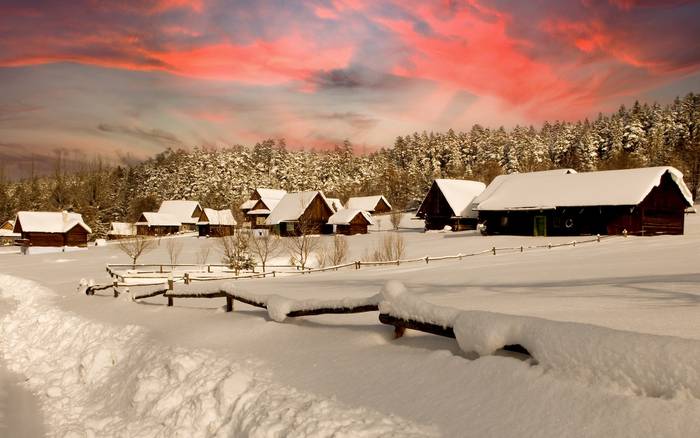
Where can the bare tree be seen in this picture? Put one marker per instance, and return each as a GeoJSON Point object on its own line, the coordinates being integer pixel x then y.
{"type": "Point", "coordinates": [174, 248]}
{"type": "Point", "coordinates": [395, 218]}
{"type": "Point", "coordinates": [203, 255]}
{"type": "Point", "coordinates": [235, 250]}
{"type": "Point", "coordinates": [265, 246]}
{"type": "Point", "coordinates": [391, 247]}
{"type": "Point", "coordinates": [303, 242]}
{"type": "Point", "coordinates": [137, 246]}
{"type": "Point", "coordinates": [339, 250]}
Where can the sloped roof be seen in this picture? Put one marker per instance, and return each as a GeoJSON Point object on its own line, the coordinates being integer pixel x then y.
{"type": "Point", "coordinates": [49, 221]}
{"type": "Point", "coordinates": [459, 194]}
{"type": "Point", "coordinates": [335, 203]}
{"type": "Point", "coordinates": [366, 203]}
{"type": "Point", "coordinates": [259, 211]}
{"type": "Point", "coordinates": [181, 209]}
{"type": "Point", "coordinates": [8, 224]}
{"type": "Point", "coordinates": [345, 215]}
{"type": "Point", "coordinates": [271, 193]}
{"type": "Point", "coordinates": [270, 203]}
{"type": "Point", "coordinates": [122, 229]}
{"type": "Point", "coordinates": [544, 190]}
{"type": "Point", "coordinates": [250, 203]}
{"type": "Point", "coordinates": [159, 220]}
{"type": "Point", "coordinates": [496, 183]}
{"type": "Point", "coordinates": [220, 217]}
{"type": "Point", "coordinates": [292, 206]}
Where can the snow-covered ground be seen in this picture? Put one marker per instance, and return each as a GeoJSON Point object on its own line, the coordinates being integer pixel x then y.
{"type": "Point", "coordinates": [116, 367]}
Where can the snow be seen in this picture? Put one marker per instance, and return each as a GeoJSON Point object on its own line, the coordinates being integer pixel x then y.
{"type": "Point", "coordinates": [335, 203]}
{"type": "Point", "coordinates": [219, 217]}
{"type": "Point", "coordinates": [258, 211]}
{"type": "Point", "coordinates": [183, 210]}
{"type": "Point", "coordinates": [366, 203]}
{"type": "Point", "coordinates": [271, 193]}
{"type": "Point", "coordinates": [122, 229]}
{"type": "Point", "coordinates": [292, 206]}
{"type": "Point", "coordinates": [50, 221]}
{"type": "Point", "coordinates": [159, 220]}
{"type": "Point", "coordinates": [247, 205]}
{"type": "Point", "coordinates": [460, 194]}
{"type": "Point", "coordinates": [548, 190]}
{"type": "Point", "coordinates": [344, 216]}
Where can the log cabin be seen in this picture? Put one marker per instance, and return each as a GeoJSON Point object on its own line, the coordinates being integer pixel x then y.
{"type": "Point", "coordinates": [372, 204]}
{"type": "Point", "coordinates": [448, 203]}
{"type": "Point", "coordinates": [301, 213]}
{"type": "Point", "coordinates": [121, 230]}
{"type": "Point", "coordinates": [643, 201]}
{"type": "Point", "coordinates": [260, 193]}
{"type": "Point", "coordinates": [157, 224]}
{"type": "Point", "coordinates": [216, 223]}
{"type": "Point", "coordinates": [52, 228]}
{"type": "Point", "coordinates": [351, 221]}
{"type": "Point", "coordinates": [187, 212]}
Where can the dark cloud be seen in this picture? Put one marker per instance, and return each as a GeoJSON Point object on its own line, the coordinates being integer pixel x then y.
{"type": "Point", "coordinates": [356, 120]}
{"type": "Point", "coordinates": [156, 136]}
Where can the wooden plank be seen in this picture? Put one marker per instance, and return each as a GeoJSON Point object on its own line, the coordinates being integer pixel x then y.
{"type": "Point", "coordinates": [336, 310]}
{"type": "Point", "coordinates": [150, 294]}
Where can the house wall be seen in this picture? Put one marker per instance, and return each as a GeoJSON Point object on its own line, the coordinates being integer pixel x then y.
{"type": "Point", "coordinates": [145, 230]}
{"type": "Point", "coordinates": [358, 225]}
{"type": "Point", "coordinates": [381, 207]}
{"type": "Point", "coordinates": [315, 218]}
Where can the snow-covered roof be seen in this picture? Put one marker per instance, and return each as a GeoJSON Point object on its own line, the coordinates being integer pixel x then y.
{"type": "Point", "coordinates": [220, 217]}
{"type": "Point", "coordinates": [250, 203]}
{"type": "Point", "coordinates": [122, 229]}
{"type": "Point", "coordinates": [270, 203]}
{"type": "Point", "coordinates": [345, 215]}
{"type": "Point", "coordinates": [335, 203]}
{"type": "Point", "coordinates": [159, 220]}
{"type": "Point", "coordinates": [8, 225]}
{"type": "Point", "coordinates": [496, 183]}
{"type": "Point", "coordinates": [292, 206]}
{"type": "Point", "coordinates": [259, 211]}
{"type": "Point", "coordinates": [547, 190]}
{"type": "Point", "coordinates": [49, 221]}
{"type": "Point", "coordinates": [182, 209]}
{"type": "Point", "coordinates": [271, 193]}
{"type": "Point", "coordinates": [366, 203]}
{"type": "Point", "coordinates": [4, 232]}
{"type": "Point", "coordinates": [459, 194]}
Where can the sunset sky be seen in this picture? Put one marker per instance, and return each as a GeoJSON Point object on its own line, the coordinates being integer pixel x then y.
{"type": "Point", "coordinates": [138, 76]}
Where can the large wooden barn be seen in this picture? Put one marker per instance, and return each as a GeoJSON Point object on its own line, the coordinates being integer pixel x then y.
{"type": "Point", "coordinates": [350, 221]}
{"type": "Point", "coordinates": [52, 228]}
{"type": "Point", "coordinates": [187, 212]}
{"type": "Point", "coordinates": [448, 203]}
{"type": "Point", "coordinates": [157, 224]}
{"type": "Point", "coordinates": [216, 223]}
{"type": "Point", "coordinates": [301, 212]}
{"type": "Point", "coordinates": [642, 201]}
{"type": "Point", "coordinates": [375, 204]}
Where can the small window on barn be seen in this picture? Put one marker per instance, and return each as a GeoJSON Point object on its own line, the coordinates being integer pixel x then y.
{"type": "Point", "coordinates": [259, 220]}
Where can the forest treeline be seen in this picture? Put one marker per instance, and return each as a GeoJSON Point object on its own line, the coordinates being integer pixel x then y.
{"type": "Point", "coordinates": [641, 135]}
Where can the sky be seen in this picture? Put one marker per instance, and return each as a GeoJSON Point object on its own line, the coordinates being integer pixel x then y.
{"type": "Point", "coordinates": [130, 78]}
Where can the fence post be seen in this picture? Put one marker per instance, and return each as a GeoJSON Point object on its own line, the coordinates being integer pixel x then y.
{"type": "Point", "coordinates": [209, 269]}
{"type": "Point", "coordinates": [624, 232]}
{"type": "Point", "coordinates": [187, 278]}
{"type": "Point", "coordinates": [427, 259]}
{"type": "Point", "coordinates": [574, 243]}
{"type": "Point", "coordinates": [171, 286]}
{"type": "Point", "coordinates": [273, 274]}
{"type": "Point", "coordinates": [161, 269]}
{"type": "Point", "coordinates": [493, 250]}
{"type": "Point", "coordinates": [229, 304]}
{"type": "Point", "coordinates": [597, 238]}
{"type": "Point", "coordinates": [459, 255]}
{"type": "Point", "coordinates": [549, 245]}
{"type": "Point", "coordinates": [114, 286]}
{"type": "Point", "coordinates": [521, 248]}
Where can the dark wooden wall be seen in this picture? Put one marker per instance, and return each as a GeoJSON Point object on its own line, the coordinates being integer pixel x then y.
{"type": "Point", "coordinates": [382, 207]}
{"type": "Point", "coordinates": [358, 225]}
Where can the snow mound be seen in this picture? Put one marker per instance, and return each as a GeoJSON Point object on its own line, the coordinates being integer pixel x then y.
{"type": "Point", "coordinates": [641, 364]}
{"type": "Point", "coordinates": [99, 380]}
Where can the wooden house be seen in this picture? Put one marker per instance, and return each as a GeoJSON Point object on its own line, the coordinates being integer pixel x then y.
{"type": "Point", "coordinates": [7, 234]}
{"type": "Point", "coordinates": [260, 193]}
{"type": "Point", "coordinates": [372, 204]}
{"type": "Point", "coordinates": [260, 211]}
{"type": "Point", "coordinates": [642, 201]}
{"type": "Point", "coordinates": [157, 224]}
{"type": "Point", "coordinates": [351, 221]}
{"type": "Point", "coordinates": [216, 223]}
{"type": "Point", "coordinates": [187, 212]}
{"type": "Point", "coordinates": [448, 203]}
{"type": "Point", "coordinates": [51, 228]}
{"type": "Point", "coordinates": [301, 212]}
{"type": "Point", "coordinates": [121, 230]}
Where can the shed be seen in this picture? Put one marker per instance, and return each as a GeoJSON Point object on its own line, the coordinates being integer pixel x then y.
{"type": "Point", "coordinates": [121, 230]}
{"type": "Point", "coordinates": [643, 201]}
{"type": "Point", "coordinates": [301, 212]}
{"type": "Point", "coordinates": [157, 224]}
{"type": "Point", "coordinates": [52, 228]}
{"type": "Point", "coordinates": [187, 212]}
{"type": "Point", "coordinates": [372, 204]}
{"type": "Point", "coordinates": [351, 221]}
{"type": "Point", "coordinates": [216, 223]}
{"type": "Point", "coordinates": [449, 203]}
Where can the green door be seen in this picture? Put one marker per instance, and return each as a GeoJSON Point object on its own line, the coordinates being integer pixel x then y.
{"type": "Point", "coordinates": [540, 226]}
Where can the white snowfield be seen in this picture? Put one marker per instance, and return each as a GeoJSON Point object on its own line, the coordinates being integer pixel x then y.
{"type": "Point", "coordinates": [613, 328]}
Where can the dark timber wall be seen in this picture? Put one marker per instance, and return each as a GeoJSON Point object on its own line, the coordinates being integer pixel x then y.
{"type": "Point", "coordinates": [437, 213]}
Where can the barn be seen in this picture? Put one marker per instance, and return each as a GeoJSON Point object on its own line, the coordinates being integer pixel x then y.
{"type": "Point", "coordinates": [301, 212]}
{"type": "Point", "coordinates": [448, 203]}
{"type": "Point", "coordinates": [121, 230]}
{"type": "Point", "coordinates": [52, 228]}
{"type": "Point", "coordinates": [643, 201]}
{"type": "Point", "coordinates": [258, 194]}
{"type": "Point", "coordinates": [351, 221]}
{"type": "Point", "coordinates": [187, 212]}
{"type": "Point", "coordinates": [260, 211]}
{"type": "Point", "coordinates": [157, 224]}
{"type": "Point", "coordinates": [372, 204]}
{"type": "Point", "coordinates": [7, 234]}
{"type": "Point", "coordinates": [216, 223]}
